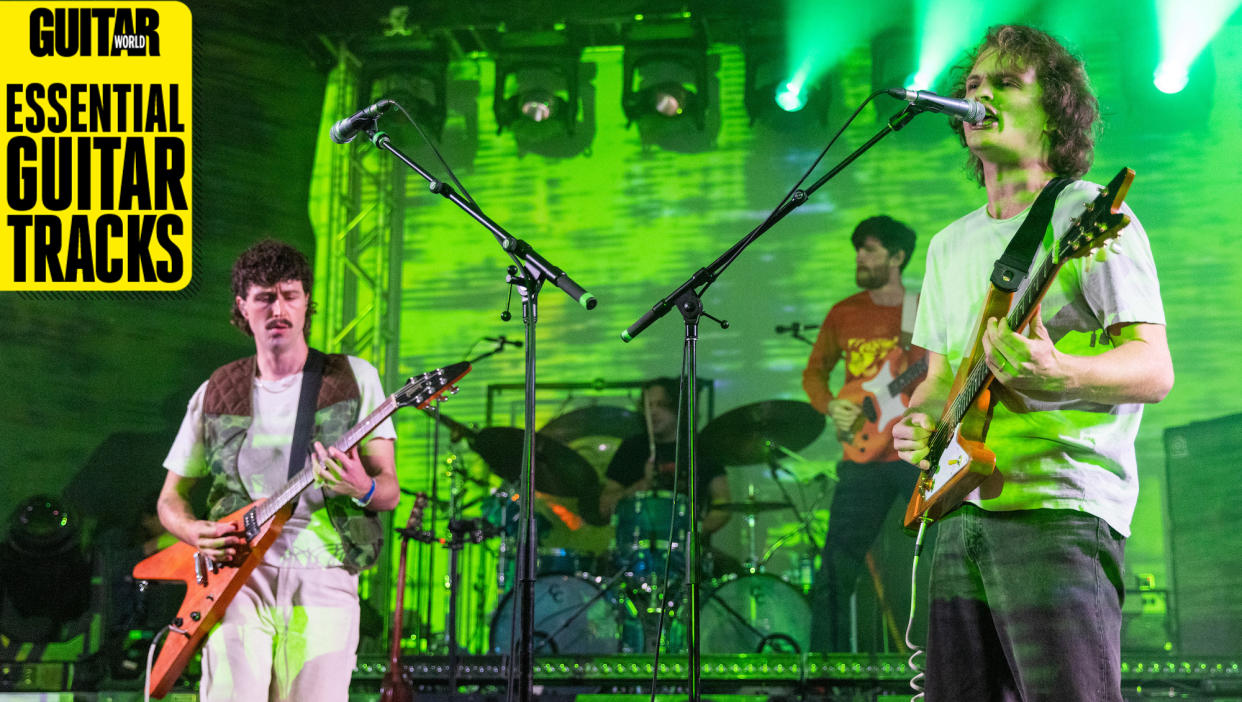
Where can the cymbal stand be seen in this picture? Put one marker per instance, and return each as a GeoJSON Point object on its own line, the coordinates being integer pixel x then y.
{"type": "Point", "coordinates": [752, 564]}
{"type": "Point", "coordinates": [806, 518]}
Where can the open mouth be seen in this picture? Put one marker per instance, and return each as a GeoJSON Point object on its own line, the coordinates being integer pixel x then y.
{"type": "Point", "coordinates": [989, 120]}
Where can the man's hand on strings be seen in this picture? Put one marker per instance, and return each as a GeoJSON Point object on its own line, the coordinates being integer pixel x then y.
{"type": "Point", "coordinates": [1028, 363]}
{"type": "Point", "coordinates": [339, 471]}
{"type": "Point", "coordinates": [222, 542]}
{"type": "Point", "coordinates": [910, 438]}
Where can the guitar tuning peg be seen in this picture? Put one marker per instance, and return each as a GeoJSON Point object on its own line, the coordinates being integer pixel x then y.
{"type": "Point", "coordinates": [453, 389]}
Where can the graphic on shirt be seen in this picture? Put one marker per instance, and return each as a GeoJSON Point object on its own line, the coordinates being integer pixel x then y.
{"type": "Point", "coordinates": [862, 355]}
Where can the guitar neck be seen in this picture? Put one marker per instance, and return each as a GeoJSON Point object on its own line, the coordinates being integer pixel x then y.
{"type": "Point", "coordinates": [903, 382]}
{"type": "Point", "coordinates": [303, 478]}
{"type": "Point", "coordinates": [980, 375]}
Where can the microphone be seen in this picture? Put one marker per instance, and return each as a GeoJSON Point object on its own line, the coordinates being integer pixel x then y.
{"type": "Point", "coordinates": [795, 327]}
{"type": "Point", "coordinates": [965, 110]}
{"type": "Point", "coordinates": [501, 341]}
{"type": "Point", "coordinates": [346, 129]}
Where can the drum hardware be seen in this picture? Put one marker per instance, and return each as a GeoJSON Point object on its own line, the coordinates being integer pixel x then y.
{"type": "Point", "coordinates": [805, 519]}
{"type": "Point", "coordinates": [461, 532]}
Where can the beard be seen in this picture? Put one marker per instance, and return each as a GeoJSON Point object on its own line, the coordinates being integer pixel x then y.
{"type": "Point", "coordinates": [870, 278]}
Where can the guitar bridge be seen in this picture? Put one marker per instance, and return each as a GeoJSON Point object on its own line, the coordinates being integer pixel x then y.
{"type": "Point", "coordinates": [201, 566]}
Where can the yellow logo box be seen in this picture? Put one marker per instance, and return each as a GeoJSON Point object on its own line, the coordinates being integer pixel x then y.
{"type": "Point", "coordinates": [97, 179]}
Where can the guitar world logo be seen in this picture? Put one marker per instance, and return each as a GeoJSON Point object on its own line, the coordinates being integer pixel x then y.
{"type": "Point", "coordinates": [97, 31]}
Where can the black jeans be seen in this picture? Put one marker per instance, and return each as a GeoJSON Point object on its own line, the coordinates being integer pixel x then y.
{"type": "Point", "coordinates": [864, 495]}
{"type": "Point", "coordinates": [1026, 606]}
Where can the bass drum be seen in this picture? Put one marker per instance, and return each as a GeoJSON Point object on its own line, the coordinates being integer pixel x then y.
{"type": "Point", "coordinates": [753, 613]}
{"type": "Point", "coordinates": [571, 616]}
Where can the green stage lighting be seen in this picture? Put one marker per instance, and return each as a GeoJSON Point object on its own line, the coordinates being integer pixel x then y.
{"type": "Point", "coordinates": [1185, 30]}
{"type": "Point", "coordinates": [791, 95]}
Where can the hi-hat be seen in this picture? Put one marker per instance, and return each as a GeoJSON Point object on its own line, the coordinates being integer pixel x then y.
{"type": "Point", "coordinates": [748, 434]}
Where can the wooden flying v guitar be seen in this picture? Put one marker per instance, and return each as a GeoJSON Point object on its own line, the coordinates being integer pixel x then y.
{"type": "Point", "coordinates": [960, 461]}
{"type": "Point", "coordinates": [211, 586]}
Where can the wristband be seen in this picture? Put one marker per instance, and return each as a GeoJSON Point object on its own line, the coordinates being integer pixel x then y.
{"type": "Point", "coordinates": [366, 499]}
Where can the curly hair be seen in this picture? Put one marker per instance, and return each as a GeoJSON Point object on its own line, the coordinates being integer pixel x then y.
{"type": "Point", "coordinates": [1068, 101]}
{"type": "Point", "coordinates": [265, 264]}
{"type": "Point", "coordinates": [893, 235]}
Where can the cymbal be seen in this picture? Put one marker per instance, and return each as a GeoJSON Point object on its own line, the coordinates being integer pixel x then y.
{"type": "Point", "coordinates": [559, 470]}
{"type": "Point", "coordinates": [742, 436]}
{"type": "Point", "coordinates": [750, 507]}
{"type": "Point", "coordinates": [596, 420]}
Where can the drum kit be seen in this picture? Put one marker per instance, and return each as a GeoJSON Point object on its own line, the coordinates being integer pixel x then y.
{"type": "Point", "coordinates": [632, 598]}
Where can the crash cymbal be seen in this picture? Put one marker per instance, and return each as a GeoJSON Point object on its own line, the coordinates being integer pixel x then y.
{"type": "Point", "coordinates": [559, 470]}
{"type": "Point", "coordinates": [750, 507]}
{"type": "Point", "coordinates": [597, 420]}
{"type": "Point", "coordinates": [744, 435]}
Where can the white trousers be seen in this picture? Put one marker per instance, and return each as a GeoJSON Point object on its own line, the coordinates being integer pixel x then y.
{"type": "Point", "coordinates": [289, 634]}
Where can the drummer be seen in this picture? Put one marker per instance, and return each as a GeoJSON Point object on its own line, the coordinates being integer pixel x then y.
{"type": "Point", "coordinates": [646, 461]}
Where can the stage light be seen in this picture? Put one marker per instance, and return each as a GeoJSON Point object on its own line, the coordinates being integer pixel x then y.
{"type": "Point", "coordinates": [779, 91]}
{"type": "Point", "coordinates": [791, 96]}
{"type": "Point", "coordinates": [1169, 79]}
{"type": "Point", "coordinates": [537, 80]}
{"type": "Point", "coordinates": [411, 71]}
{"type": "Point", "coordinates": [665, 72]}
{"type": "Point", "coordinates": [1185, 30]}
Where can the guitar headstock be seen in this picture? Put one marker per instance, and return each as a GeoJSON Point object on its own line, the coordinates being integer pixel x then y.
{"type": "Point", "coordinates": [1100, 222]}
{"type": "Point", "coordinates": [420, 390]}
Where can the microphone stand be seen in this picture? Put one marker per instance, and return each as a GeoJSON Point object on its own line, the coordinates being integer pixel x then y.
{"type": "Point", "coordinates": [687, 298]}
{"type": "Point", "coordinates": [531, 272]}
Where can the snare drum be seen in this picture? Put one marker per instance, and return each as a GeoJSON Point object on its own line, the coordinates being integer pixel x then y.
{"type": "Point", "coordinates": [755, 612]}
{"type": "Point", "coordinates": [572, 615]}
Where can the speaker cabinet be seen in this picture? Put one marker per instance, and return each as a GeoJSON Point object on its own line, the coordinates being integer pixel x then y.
{"type": "Point", "coordinates": [1204, 498]}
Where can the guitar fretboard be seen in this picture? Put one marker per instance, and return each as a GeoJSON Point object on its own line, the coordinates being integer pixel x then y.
{"type": "Point", "coordinates": [306, 476]}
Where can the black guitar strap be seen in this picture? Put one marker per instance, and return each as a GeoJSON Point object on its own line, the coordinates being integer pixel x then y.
{"type": "Point", "coordinates": [1010, 269]}
{"type": "Point", "coordinates": [312, 378]}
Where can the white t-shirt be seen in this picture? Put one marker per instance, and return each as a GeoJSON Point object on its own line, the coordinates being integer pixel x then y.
{"type": "Point", "coordinates": [308, 540]}
{"type": "Point", "coordinates": [1058, 455]}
